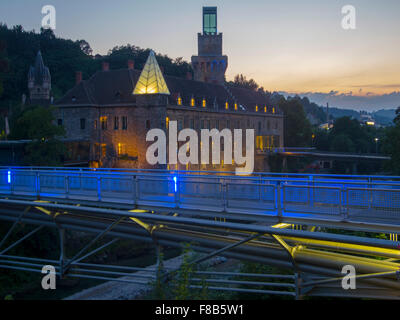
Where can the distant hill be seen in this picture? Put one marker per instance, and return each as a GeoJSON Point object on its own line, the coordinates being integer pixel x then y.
{"type": "Point", "coordinates": [338, 113]}
{"type": "Point", "coordinates": [384, 117]}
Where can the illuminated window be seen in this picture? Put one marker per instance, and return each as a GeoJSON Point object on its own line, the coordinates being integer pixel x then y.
{"type": "Point", "coordinates": [273, 110]}
{"type": "Point", "coordinates": [256, 108]}
{"type": "Point", "coordinates": [204, 103]}
{"type": "Point", "coordinates": [103, 150]}
{"type": "Point", "coordinates": [265, 109]}
{"type": "Point", "coordinates": [192, 102]}
{"type": "Point", "coordinates": [209, 20]}
{"type": "Point", "coordinates": [226, 105]}
{"type": "Point", "coordinates": [121, 150]}
{"type": "Point", "coordinates": [167, 122]}
{"type": "Point", "coordinates": [179, 101]}
{"type": "Point", "coordinates": [236, 106]}
{"type": "Point", "coordinates": [103, 121]}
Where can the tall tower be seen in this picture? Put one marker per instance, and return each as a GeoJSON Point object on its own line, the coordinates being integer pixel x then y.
{"type": "Point", "coordinates": [210, 65]}
{"type": "Point", "coordinates": [39, 82]}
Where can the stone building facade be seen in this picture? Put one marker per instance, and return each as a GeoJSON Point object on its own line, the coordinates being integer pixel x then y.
{"type": "Point", "coordinates": [108, 116]}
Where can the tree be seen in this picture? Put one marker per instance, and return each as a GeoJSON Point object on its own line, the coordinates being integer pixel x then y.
{"type": "Point", "coordinates": [3, 64]}
{"type": "Point", "coordinates": [391, 146]}
{"type": "Point", "coordinates": [36, 124]}
{"type": "Point", "coordinates": [298, 132]}
{"type": "Point", "coordinates": [241, 81]}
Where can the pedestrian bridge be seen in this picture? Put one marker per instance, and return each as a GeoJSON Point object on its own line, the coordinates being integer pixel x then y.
{"type": "Point", "coordinates": [364, 199]}
{"type": "Point", "coordinates": [291, 221]}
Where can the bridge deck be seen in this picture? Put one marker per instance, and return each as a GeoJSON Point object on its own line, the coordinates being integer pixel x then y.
{"type": "Point", "coordinates": [336, 198]}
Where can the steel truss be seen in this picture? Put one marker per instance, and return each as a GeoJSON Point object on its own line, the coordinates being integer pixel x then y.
{"type": "Point", "coordinates": [316, 272]}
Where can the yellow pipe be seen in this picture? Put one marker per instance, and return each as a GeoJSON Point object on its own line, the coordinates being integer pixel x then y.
{"type": "Point", "coordinates": [346, 247]}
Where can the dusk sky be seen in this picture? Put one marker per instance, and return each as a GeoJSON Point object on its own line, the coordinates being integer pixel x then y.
{"type": "Point", "coordinates": [295, 46]}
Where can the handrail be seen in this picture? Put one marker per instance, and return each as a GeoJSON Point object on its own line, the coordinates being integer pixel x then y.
{"type": "Point", "coordinates": [262, 195]}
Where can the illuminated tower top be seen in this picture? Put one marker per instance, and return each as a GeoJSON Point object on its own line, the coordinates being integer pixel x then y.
{"type": "Point", "coordinates": [210, 64]}
{"type": "Point", "coordinates": [210, 20]}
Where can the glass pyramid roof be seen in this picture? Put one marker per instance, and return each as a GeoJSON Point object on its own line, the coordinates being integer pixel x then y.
{"type": "Point", "coordinates": [151, 80]}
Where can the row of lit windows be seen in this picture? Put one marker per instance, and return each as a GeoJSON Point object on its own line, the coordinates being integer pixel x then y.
{"type": "Point", "coordinates": [104, 123]}
{"type": "Point", "coordinates": [219, 124]}
{"type": "Point", "coordinates": [235, 105]}
{"type": "Point", "coordinates": [267, 142]}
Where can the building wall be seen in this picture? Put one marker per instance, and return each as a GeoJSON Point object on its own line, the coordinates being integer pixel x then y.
{"type": "Point", "coordinates": [125, 147]}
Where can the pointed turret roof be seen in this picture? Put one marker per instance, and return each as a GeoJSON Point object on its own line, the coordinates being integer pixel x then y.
{"type": "Point", "coordinates": [39, 72]}
{"type": "Point", "coordinates": [151, 80]}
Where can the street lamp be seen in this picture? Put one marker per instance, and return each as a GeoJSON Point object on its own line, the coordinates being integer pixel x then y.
{"type": "Point", "coordinates": [376, 144]}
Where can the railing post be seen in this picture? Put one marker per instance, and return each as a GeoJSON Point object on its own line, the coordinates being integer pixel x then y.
{"type": "Point", "coordinates": [37, 185]}
{"type": "Point", "coordinates": [66, 186]}
{"type": "Point", "coordinates": [136, 189]}
{"type": "Point", "coordinates": [224, 195]}
{"type": "Point", "coordinates": [346, 202]}
{"type": "Point", "coordinates": [278, 198]}
{"type": "Point", "coordinates": [311, 191]}
{"type": "Point", "coordinates": [99, 188]}
{"type": "Point", "coordinates": [11, 182]}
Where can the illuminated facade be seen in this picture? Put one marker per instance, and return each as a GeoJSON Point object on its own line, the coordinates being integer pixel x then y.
{"type": "Point", "coordinates": [119, 107]}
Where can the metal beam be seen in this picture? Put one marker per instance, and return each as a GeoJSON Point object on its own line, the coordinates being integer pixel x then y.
{"type": "Point", "coordinates": [20, 240]}
{"type": "Point", "coordinates": [98, 237]}
{"type": "Point", "coordinates": [14, 226]}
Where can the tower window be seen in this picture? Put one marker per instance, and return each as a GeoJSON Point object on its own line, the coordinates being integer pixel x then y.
{"type": "Point", "coordinates": [116, 123]}
{"type": "Point", "coordinates": [167, 122]}
{"type": "Point", "coordinates": [83, 124]}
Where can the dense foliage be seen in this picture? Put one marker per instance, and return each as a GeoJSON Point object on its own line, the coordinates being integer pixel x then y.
{"type": "Point", "coordinates": [37, 124]}
{"type": "Point", "coordinates": [64, 57]}
{"type": "Point", "coordinates": [391, 145]}
{"type": "Point", "coordinates": [297, 128]}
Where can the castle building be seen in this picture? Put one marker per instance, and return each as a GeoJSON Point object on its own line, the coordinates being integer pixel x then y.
{"type": "Point", "coordinates": [39, 82]}
{"type": "Point", "coordinates": [108, 116]}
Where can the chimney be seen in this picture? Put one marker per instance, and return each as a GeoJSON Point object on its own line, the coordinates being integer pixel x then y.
{"type": "Point", "coordinates": [105, 66]}
{"type": "Point", "coordinates": [189, 76]}
{"type": "Point", "coordinates": [78, 77]}
{"type": "Point", "coordinates": [131, 64]}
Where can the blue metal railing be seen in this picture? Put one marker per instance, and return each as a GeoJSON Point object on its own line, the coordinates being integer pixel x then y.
{"type": "Point", "coordinates": [291, 195]}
